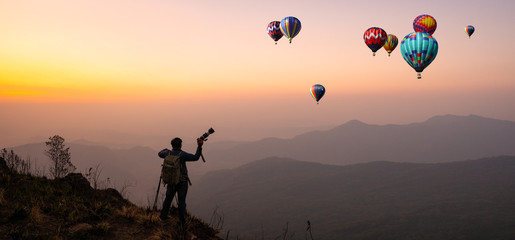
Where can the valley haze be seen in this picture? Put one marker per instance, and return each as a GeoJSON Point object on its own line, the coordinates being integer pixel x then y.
{"type": "Point", "coordinates": [444, 138]}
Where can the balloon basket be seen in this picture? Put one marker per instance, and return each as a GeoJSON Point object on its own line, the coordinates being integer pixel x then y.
{"type": "Point", "coordinates": [419, 76]}
{"type": "Point", "coordinates": [374, 53]}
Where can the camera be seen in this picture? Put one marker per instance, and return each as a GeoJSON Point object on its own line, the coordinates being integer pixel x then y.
{"type": "Point", "coordinates": [206, 134]}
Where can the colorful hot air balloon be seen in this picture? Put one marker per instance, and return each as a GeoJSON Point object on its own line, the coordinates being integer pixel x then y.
{"type": "Point", "coordinates": [374, 38]}
{"type": "Point", "coordinates": [290, 27]}
{"type": "Point", "coordinates": [424, 23]}
{"type": "Point", "coordinates": [469, 30]}
{"type": "Point", "coordinates": [419, 50]}
{"type": "Point", "coordinates": [274, 30]}
{"type": "Point", "coordinates": [317, 92]}
{"type": "Point", "coordinates": [391, 43]}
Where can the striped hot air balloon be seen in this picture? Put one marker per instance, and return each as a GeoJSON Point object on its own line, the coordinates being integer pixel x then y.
{"type": "Point", "coordinates": [374, 38]}
{"type": "Point", "coordinates": [419, 50]}
{"type": "Point", "coordinates": [425, 24]}
{"type": "Point", "coordinates": [469, 30]}
{"type": "Point", "coordinates": [290, 27]}
{"type": "Point", "coordinates": [317, 92]}
{"type": "Point", "coordinates": [391, 43]}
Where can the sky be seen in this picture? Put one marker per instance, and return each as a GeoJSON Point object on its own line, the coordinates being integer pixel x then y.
{"type": "Point", "coordinates": [126, 69]}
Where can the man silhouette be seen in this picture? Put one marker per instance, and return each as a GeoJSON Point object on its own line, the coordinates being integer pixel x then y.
{"type": "Point", "coordinates": [180, 188]}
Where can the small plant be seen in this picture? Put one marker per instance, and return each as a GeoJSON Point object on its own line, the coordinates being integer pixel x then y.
{"type": "Point", "coordinates": [152, 218]}
{"type": "Point", "coordinates": [36, 214]}
{"type": "Point", "coordinates": [124, 190]}
{"type": "Point", "coordinates": [93, 175]}
{"type": "Point", "coordinates": [163, 235]}
{"type": "Point", "coordinates": [129, 212]}
{"type": "Point", "coordinates": [72, 216]}
{"type": "Point", "coordinates": [15, 163]}
{"type": "Point", "coordinates": [217, 219]}
{"type": "Point", "coordinates": [102, 209]}
{"type": "Point", "coordinates": [101, 228]}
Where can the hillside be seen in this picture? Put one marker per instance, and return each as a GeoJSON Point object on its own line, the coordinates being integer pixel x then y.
{"type": "Point", "coordinates": [137, 167]}
{"type": "Point", "coordinates": [68, 208]}
{"type": "Point", "coordinates": [471, 199]}
{"type": "Point", "coordinates": [439, 139]}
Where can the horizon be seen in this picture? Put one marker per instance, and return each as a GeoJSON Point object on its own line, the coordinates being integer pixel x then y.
{"type": "Point", "coordinates": [171, 68]}
{"type": "Point", "coordinates": [97, 140]}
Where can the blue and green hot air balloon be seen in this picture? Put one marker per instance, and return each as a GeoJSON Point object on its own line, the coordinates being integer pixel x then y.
{"type": "Point", "coordinates": [317, 92]}
{"type": "Point", "coordinates": [419, 50]}
{"type": "Point", "coordinates": [290, 27]}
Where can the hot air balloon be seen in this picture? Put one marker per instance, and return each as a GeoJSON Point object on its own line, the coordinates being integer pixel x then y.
{"type": "Point", "coordinates": [274, 30]}
{"type": "Point", "coordinates": [469, 30]}
{"type": "Point", "coordinates": [425, 24]}
{"type": "Point", "coordinates": [317, 92]}
{"type": "Point", "coordinates": [374, 38]}
{"type": "Point", "coordinates": [391, 43]}
{"type": "Point", "coordinates": [419, 50]}
{"type": "Point", "coordinates": [290, 27]}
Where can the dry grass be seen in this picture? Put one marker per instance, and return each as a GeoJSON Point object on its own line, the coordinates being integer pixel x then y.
{"type": "Point", "coordinates": [138, 215]}
{"type": "Point", "coordinates": [102, 227]}
{"type": "Point", "coordinates": [130, 212]}
{"type": "Point", "coordinates": [36, 214]}
{"type": "Point", "coordinates": [153, 219]}
{"type": "Point", "coordinates": [163, 235]}
{"type": "Point", "coordinates": [2, 199]}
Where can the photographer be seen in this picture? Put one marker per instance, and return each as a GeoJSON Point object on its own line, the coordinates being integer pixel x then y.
{"type": "Point", "coordinates": [182, 187]}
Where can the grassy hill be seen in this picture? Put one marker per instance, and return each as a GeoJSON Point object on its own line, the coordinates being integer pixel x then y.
{"type": "Point", "coordinates": [68, 208]}
{"type": "Point", "coordinates": [472, 199]}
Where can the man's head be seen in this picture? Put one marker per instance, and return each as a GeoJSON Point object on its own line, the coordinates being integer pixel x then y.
{"type": "Point", "coordinates": [176, 143]}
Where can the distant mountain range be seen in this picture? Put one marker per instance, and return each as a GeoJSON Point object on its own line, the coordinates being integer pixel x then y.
{"type": "Point", "coordinates": [471, 199]}
{"type": "Point", "coordinates": [439, 139]}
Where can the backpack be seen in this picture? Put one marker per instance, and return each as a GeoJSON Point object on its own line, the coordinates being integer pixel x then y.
{"type": "Point", "coordinates": [171, 171]}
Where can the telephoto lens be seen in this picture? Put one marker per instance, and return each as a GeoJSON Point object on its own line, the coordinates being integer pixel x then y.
{"type": "Point", "coordinates": [206, 134]}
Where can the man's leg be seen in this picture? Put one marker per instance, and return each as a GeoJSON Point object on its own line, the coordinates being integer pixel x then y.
{"type": "Point", "coordinates": [181, 201]}
{"type": "Point", "coordinates": [170, 192]}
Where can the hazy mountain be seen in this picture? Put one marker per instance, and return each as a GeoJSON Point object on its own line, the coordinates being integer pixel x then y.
{"type": "Point", "coordinates": [471, 199]}
{"type": "Point", "coordinates": [441, 138]}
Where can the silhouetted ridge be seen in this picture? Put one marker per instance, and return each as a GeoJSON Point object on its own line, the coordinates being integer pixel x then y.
{"type": "Point", "coordinates": [69, 208]}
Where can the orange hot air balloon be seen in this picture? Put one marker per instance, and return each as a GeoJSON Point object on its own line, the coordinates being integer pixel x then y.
{"type": "Point", "coordinates": [391, 43]}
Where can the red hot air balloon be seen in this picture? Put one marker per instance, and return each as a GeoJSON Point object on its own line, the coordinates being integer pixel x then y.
{"type": "Point", "coordinates": [375, 38]}
{"type": "Point", "coordinates": [274, 30]}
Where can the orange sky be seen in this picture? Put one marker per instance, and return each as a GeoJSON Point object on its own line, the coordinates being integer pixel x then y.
{"type": "Point", "coordinates": [128, 65]}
